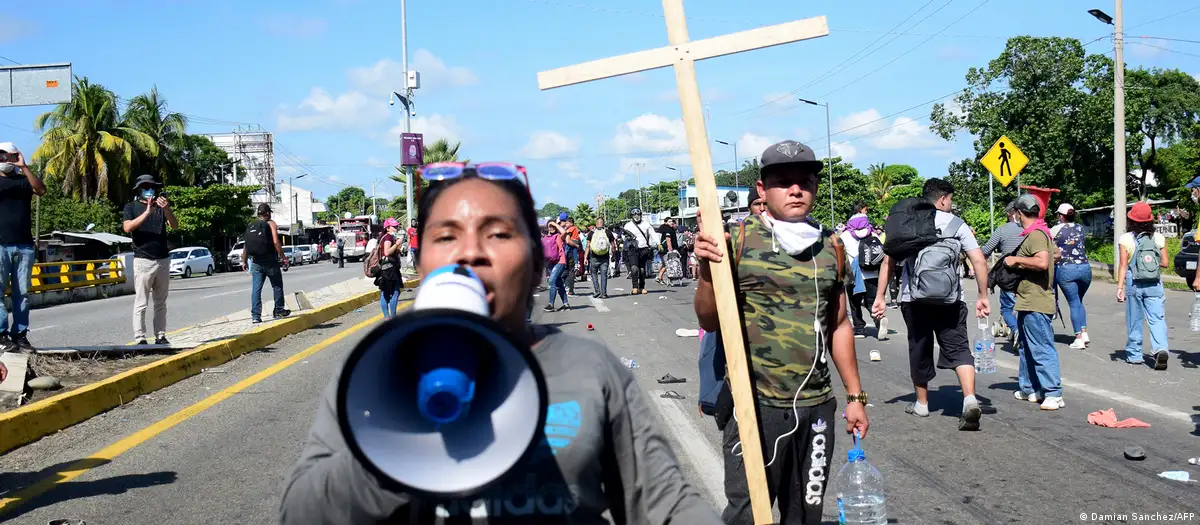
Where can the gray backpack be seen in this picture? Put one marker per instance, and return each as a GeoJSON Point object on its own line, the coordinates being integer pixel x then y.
{"type": "Point", "coordinates": [1147, 260]}
{"type": "Point", "coordinates": [935, 273]}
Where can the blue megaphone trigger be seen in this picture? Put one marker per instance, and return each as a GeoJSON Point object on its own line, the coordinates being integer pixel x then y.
{"type": "Point", "coordinates": [444, 395]}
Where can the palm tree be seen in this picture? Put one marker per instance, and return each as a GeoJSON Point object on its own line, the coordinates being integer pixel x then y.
{"type": "Point", "coordinates": [881, 182]}
{"type": "Point", "coordinates": [85, 144]}
{"type": "Point", "coordinates": [148, 113]}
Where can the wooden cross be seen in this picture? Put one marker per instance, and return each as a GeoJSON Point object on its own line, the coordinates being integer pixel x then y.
{"type": "Point", "coordinates": [683, 54]}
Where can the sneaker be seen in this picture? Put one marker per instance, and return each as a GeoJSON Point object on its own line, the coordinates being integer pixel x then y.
{"type": "Point", "coordinates": [970, 416]}
{"type": "Point", "coordinates": [1022, 396]}
{"type": "Point", "coordinates": [21, 341]}
{"type": "Point", "coordinates": [1078, 344]}
{"type": "Point", "coordinates": [860, 333]}
{"type": "Point", "coordinates": [142, 342]}
{"type": "Point", "coordinates": [1160, 357]}
{"type": "Point", "coordinates": [548, 308]}
{"type": "Point", "coordinates": [1086, 340]}
{"type": "Point", "coordinates": [882, 332]}
{"type": "Point", "coordinates": [162, 340]}
{"type": "Point", "coordinates": [563, 308]}
{"type": "Point", "coordinates": [1053, 403]}
{"type": "Point", "coordinates": [281, 314]}
{"type": "Point", "coordinates": [6, 344]}
{"type": "Point", "coordinates": [256, 321]}
{"type": "Point", "coordinates": [919, 411]}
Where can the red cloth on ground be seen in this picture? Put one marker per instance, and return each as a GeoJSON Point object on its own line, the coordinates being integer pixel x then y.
{"type": "Point", "coordinates": [1108, 418]}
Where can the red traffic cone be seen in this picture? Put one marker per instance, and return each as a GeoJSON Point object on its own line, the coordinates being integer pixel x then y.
{"type": "Point", "coordinates": [590, 327]}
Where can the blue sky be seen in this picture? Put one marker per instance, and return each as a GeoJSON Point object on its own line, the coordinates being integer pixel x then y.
{"type": "Point", "coordinates": [318, 74]}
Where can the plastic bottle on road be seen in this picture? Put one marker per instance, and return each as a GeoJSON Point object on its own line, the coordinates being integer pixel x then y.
{"type": "Point", "coordinates": [985, 349]}
{"type": "Point", "coordinates": [629, 363]}
{"type": "Point", "coordinates": [860, 496]}
{"type": "Point", "coordinates": [1196, 314]}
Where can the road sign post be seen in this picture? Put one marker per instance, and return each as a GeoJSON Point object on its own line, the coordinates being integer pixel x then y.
{"type": "Point", "coordinates": [1004, 160]}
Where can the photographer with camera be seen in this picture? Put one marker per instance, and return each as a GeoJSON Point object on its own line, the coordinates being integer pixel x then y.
{"type": "Point", "coordinates": [146, 220]}
{"type": "Point", "coordinates": [18, 185]}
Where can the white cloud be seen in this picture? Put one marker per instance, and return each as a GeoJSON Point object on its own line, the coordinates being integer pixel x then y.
{"type": "Point", "coordinates": [650, 133]}
{"type": "Point", "coordinates": [778, 101]}
{"type": "Point", "coordinates": [334, 178]}
{"type": "Point", "coordinates": [570, 168]}
{"type": "Point", "coordinates": [901, 133]}
{"type": "Point", "coordinates": [545, 144]}
{"type": "Point", "coordinates": [290, 25]}
{"type": "Point", "coordinates": [846, 151]}
{"type": "Point", "coordinates": [433, 127]}
{"type": "Point", "coordinates": [1147, 47]}
{"type": "Point", "coordinates": [751, 145]}
{"type": "Point", "coordinates": [321, 110]}
{"type": "Point", "coordinates": [387, 75]}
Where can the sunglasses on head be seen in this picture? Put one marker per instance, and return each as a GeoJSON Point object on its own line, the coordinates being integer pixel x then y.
{"type": "Point", "coordinates": [494, 171]}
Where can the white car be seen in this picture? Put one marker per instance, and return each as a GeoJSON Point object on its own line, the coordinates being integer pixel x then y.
{"type": "Point", "coordinates": [307, 254]}
{"type": "Point", "coordinates": [292, 255]}
{"type": "Point", "coordinates": [235, 255]}
{"type": "Point", "coordinates": [192, 260]}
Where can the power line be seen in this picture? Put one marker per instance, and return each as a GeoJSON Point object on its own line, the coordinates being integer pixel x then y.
{"type": "Point", "coordinates": [1177, 13]}
{"type": "Point", "coordinates": [1165, 38]}
{"type": "Point", "coordinates": [10, 60]}
{"type": "Point", "coordinates": [1167, 49]}
{"type": "Point", "coordinates": [834, 69]}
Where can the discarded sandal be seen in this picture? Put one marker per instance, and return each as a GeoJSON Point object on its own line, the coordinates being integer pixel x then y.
{"type": "Point", "coordinates": [671, 394]}
{"type": "Point", "coordinates": [670, 379]}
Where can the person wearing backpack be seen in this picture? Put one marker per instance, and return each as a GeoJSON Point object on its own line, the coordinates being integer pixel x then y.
{"type": "Point", "coordinates": [262, 255]}
{"type": "Point", "coordinates": [929, 241]}
{"type": "Point", "coordinates": [597, 257]}
{"type": "Point", "coordinates": [864, 251]}
{"type": "Point", "coordinates": [387, 278]}
{"type": "Point", "coordinates": [1038, 377]}
{"type": "Point", "coordinates": [1005, 241]}
{"type": "Point", "coordinates": [1143, 256]}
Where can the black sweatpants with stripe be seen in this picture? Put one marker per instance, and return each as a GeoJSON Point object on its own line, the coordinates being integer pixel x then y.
{"type": "Point", "coordinates": [801, 471]}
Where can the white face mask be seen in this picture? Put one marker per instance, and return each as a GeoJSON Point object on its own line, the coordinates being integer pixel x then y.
{"type": "Point", "coordinates": [794, 237]}
{"type": "Point", "coordinates": [8, 167]}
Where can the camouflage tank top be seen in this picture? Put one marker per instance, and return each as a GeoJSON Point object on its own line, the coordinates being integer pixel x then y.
{"type": "Point", "coordinates": [778, 300]}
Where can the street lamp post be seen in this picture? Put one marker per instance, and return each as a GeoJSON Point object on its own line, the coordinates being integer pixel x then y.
{"type": "Point", "coordinates": [638, 166]}
{"type": "Point", "coordinates": [292, 201]}
{"type": "Point", "coordinates": [1118, 121]}
{"type": "Point", "coordinates": [682, 189]}
{"type": "Point", "coordinates": [828, 155]}
{"type": "Point", "coordinates": [736, 169]}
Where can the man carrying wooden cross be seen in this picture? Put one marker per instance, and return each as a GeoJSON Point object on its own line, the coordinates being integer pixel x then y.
{"type": "Point", "coordinates": [791, 279]}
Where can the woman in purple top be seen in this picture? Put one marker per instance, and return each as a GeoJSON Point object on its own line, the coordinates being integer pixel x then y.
{"type": "Point", "coordinates": [1073, 274]}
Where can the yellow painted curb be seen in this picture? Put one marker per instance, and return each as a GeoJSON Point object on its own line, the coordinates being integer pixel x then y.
{"type": "Point", "coordinates": [34, 421]}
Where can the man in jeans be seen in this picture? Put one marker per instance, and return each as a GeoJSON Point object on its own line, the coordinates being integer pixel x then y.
{"type": "Point", "coordinates": [265, 265]}
{"type": "Point", "coordinates": [146, 220]}
{"type": "Point", "coordinates": [1038, 377]}
{"type": "Point", "coordinates": [1005, 240]}
{"type": "Point", "coordinates": [597, 263]}
{"type": "Point", "coordinates": [18, 185]}
{"type": "Point", "coordinates": [574, 247]}
{"type": "Point", "coordinates": [947, 322]}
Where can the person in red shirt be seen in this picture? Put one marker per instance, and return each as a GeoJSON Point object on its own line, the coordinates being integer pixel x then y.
{"type": "Point", "coordinates": [412, 239]}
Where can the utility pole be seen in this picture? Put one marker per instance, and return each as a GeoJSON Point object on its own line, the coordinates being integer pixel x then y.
{"type": "Point", "coordinates": [638, 167]}
{"type": "Point", "coordinates": [1119, 170]}
{"type": "Point", "coordinates": [828, 155]}
{"type": "Point", "coordinates": [374, 205]}
{"type": "Point", "coordinates": [408, 179]}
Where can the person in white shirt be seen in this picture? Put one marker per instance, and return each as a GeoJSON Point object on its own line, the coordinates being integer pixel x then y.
{"type": "Point", "coordinates": [858, 231]}
{"type": "Point", "coordinates": [643, 236]}
{"type": "Point", "coordinates": [1139, 286]}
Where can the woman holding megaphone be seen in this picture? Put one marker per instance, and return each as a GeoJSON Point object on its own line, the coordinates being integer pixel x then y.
{"type": "Point", "coordinates": [594, 446]}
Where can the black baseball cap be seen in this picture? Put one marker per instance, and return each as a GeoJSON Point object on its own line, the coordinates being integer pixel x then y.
{"type": "Point", "coordinates": [1027, 204]}
{"type": "Point", "coordinates": [788, 152]}
{"type": "Point", "coordinates": [145, 180]}
{"type": "Point", "coordinates": [264, 208]}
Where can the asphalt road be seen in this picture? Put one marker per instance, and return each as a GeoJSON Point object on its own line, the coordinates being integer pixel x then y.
{"type": "Point", "coordinates": [191, 301]}
{"type": "Point", "coordinates": [225, 464]}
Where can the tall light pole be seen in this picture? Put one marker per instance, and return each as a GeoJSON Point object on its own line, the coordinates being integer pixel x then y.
{"type": "Point", "coordinates": [292, 201]}
{"type": "Point", "coordinates": [1119, 170]}
{"type": "Point", "coordinates": [408, 192]}
{"type": "Point", "coordinates": [828, 155]}
{"type": "Point", "coordinates": [736, 168]}
{"type": "Point", "coordinates": [682, 189]}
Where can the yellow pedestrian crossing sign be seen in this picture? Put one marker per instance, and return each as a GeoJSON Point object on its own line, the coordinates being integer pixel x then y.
{"type": "Point", "coordinates": [1004, 160]}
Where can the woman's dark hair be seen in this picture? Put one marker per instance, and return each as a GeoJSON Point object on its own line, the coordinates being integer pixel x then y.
{"type": "Point", "coordinates": [1068, 217]}
{"type": "Point", "coordinates": [519, 193]}
{"type": "Point", "coordinates": [858, 206]}
{"type": "Point", "coordinates": [1141, 228]}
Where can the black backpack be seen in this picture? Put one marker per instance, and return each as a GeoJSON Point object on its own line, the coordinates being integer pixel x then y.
{"type": "Point", "coordinates": [258, 239]}
{"type": "Point", "coordinates": [870, 254]}
{"type": "Point", "coordinates": [909, 228]}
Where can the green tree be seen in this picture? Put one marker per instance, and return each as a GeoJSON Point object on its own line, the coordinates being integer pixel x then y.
{"type": "Point", "coordinates": [86, 144]}
{"type": "Point", "coordinates": [902, 174]}
{"type": "Point", "coordinates": [214, 216]}
{"type": "Point", "coordinates": [614, 211]}
{"type": "Point", "coordinates": [583, 214]}
{"type": "Point", "coordinates": [551, 209]}
{"type": "Point", "coordinates": [351, 199]}
{"type": "Point", "coordinates": [851, 185]}
{"type": "Point", "coordinates": [148, 114]}
{"type": "Point", "coordinates": [1162, 105]}
{"type": "Point", "coordinates": [204, 163]}
{"type": "Point", "coordinates": [60, 212]}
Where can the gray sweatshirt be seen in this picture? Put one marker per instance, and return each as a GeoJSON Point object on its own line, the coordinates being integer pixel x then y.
{"type": "Point", "coordinates": [603, 451]}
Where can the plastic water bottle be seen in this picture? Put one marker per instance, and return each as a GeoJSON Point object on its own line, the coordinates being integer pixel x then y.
{"type": "Point", "coordinates": [1196, 314]}
{"type": "Point", "coordinates": [860, 496]}
{"type": "Point", "coordinates": [985, 349]}
{"type": "Point", "coordinates": [629, 363]}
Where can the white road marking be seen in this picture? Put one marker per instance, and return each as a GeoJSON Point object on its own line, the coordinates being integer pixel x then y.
{"type": "Point", "coordinates": [599, 304]}
{"type": "Point", "coordinates": [43, 328]}
{"type": "Point", "coordinates": [695, 447]}
{"type": "Point", "coordinates": [243, 290]}
{"type": "Point", "coordinates": [1012, 364]}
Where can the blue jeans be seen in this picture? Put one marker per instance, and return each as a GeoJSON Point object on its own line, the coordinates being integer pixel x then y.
{"type": "Point", "coordinates": [1143, 301]}
{"type": "Point", "coordinates": [16, 272]}
{"type": "Point", "coordinates": [1074, 281]}
{"type": "Point", "coordinates": [599, 271]}
{"type": "Point", "coordinates": [389, 304]}
{"type": "Point", "coordinates": [259, 274]}
{"type": "Point", "coordinates": [1008, 300]}
{"type": "Point", "coordinates": [557, 284]}
{"type": "Point", "coordinates": [569, 271]}
{"type": "Point", "coordinates": [1037, 352]}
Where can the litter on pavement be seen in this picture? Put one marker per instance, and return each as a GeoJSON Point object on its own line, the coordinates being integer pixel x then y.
{"type": "Point", "coordinates": [1177, 475]}
{"type": "Point", "coordinates": [1135, 453]}
{"type": "Point", "coordinates": [875, 355]}
{"type": "Point", "coordinates": [669, 379]}
{"type": "Point", "coordinates": [1108, 418]}
{"type": "Point", "coordinates": [685, 332]}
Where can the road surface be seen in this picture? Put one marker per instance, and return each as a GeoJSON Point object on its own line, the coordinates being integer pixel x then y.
{"type": "Point", "coordinates": [192, 301]}
{"type": "Point", "coordinates": [225, 463]}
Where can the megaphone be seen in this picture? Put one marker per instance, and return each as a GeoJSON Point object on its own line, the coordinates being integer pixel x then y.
{"type": "Point", "coordinates": [440, 402]}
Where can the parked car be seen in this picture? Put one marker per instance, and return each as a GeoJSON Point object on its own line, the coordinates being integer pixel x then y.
{"type": "Point", "coordinates": [307, 254]}
{"type": "Point", "coordinates": [1186, 259]}
{"type": "Point", "coordinates": [235, 255]}
{"type": "Point", "coordinates": [292, 255]}
{"type": "Point", "coordinates": [191, 260]}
